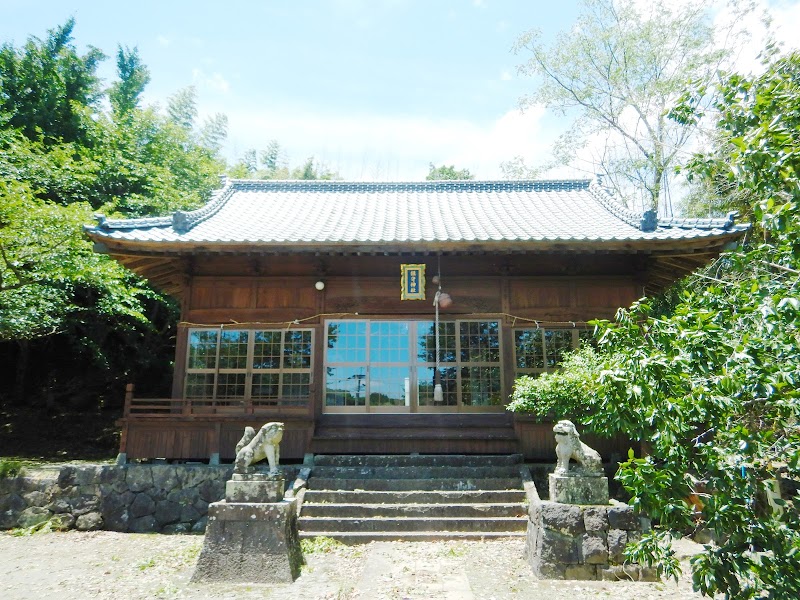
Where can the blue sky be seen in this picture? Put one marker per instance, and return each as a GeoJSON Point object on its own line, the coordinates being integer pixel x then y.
{"type": "Point", "coordinates": [376, 89]}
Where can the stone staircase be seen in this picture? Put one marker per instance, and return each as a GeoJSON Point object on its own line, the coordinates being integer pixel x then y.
{"type": "Point", "coordinates": [414, 497]}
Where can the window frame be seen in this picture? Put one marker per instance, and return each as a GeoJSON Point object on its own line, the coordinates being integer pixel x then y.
{"type": "Point", "coordinates": [536, 371]}
{"type": "Point", "coordinates": [280, 401]}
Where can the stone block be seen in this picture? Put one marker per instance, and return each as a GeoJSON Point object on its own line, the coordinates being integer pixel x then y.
{"type": "Point", "coordinates": [595, 518]}
{"type": "Point", "coordinates": [117, 520]}
{"type": "Point", "coordinates": [89, 522]}
{"type": "Point", "coordinates": [139, 478]}
{"type": "Point", "coordinates": [165, 477]}
{"type": "Point", "coordinates": [33, 515]}
{"type": "Point", "coordinates": [8, 519]}
{"type": "Point", "coordinates": [142, 505]}
{"type": "Point", "coordinates": [254, 488]}
{"type": "Point", "coordinates": [146, 524]}
{"type": "Point", "coordinates": [565, 518]}
{"type": "Point", "coordinates": [167, 512]}
{"type": "Point", "coordinates": [189, 514]}
{"type": "Point", "coordinates": [59, 506]}
{"type": "Point", "coordinates": [594, 549]}
{"type": "Point", "coordinates": [557, 547]}
{"type": "Point", "coordinates": [648, 574]}
{"type": "Point", "coordinates": [250, 543]}
{"type": "Point", "coordinates": [581, 572]}
{"type": "Point", "coordinates": [617, 540]}
{"type": "Point", "coordinates": [13, 503]}
{"type": "Point", "coordinates": [211, 491]}
{"type": "Point", "coordinates": [36, 498]}
{"type": "Point", "coordinates": [64, 521]}
{"type": "Point", "coordinates": [622, 516]}
{"type": "Point", "coordinates": [200, 525]}
{"type": "Point", "coordinates": [85, 504]}
{"type": "Point", "coordinates": [620, 573]}
{"type": "Point", "coordinates": [578, 489]}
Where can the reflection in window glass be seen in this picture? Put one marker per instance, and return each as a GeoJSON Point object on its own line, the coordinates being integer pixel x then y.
{"type": "Point", "coordinates": [480, 386]}
{"type": "Point", "coordinates": [542, 350]}
{"type": "Point", "coordinates": [230, 385]}
{"type": "Point", "coordinates": [449, 381]}
{"type": "Point", "coordinates": [267, 350]}
{"type": "Point", "coordinates": [233, 350]}
{"type": "Point", "coordinates": [203, 349]}
{"type": "Point", "coordinates": [199, 385]}
{"type": "Point", "coordinates": [296, 385]}
{"type": "Point", "coordinates": [346, 386]}
{"type": "Point", "coordinates": [529, 348]}
{"type": "Point", "coordinates": [480, 341]}
{"type": "Point", "coordinates": [347, 342]}
{"type": "Point", "coordinates": [426, 342]}
{"type": "Point", "coordinates": [557, 342]}
{"type": "Point", "coordinates": [390, 386]}
{"type": "Point", "coordinates": [266, 386]}
{"type": "Point", "coordinates": [297, 350]}
{"type": "Point", "coordinates": [388, 342]}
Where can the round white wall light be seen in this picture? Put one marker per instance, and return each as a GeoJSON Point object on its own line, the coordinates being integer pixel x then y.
{"type": "Point", "coordinates": [320, 285]}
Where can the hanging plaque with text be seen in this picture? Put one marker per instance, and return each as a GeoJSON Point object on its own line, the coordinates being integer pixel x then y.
{"type": "Point", "coordinates": [412, 282]}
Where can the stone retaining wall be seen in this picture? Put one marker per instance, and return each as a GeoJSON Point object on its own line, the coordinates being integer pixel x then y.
{"type": "Point", "coordinates": [135, 498]}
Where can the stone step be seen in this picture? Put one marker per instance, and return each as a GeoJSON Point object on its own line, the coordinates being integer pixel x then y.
{"type": "Point", "coordinates": [416, 472]}
{"type": "Point", "coordinates": [466, 511]}
{"type": "Point", "coordinates": [403, 524]}
{"type": "Point", "coordinates": [349, 537]}
{"type": "Point", "coordinates": [413, 496]}
{"type": "Point", "coordinates": [454, 484]}
{"type": "Point", "coordinates": [410, 460]}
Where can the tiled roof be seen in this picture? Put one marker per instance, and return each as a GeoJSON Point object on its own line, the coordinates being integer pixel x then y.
{"type": "Point", "coordinates": [339, 213]}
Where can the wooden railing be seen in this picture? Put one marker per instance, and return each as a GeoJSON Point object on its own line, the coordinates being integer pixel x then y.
{"type": "Point", "coordinates": [173, 407]}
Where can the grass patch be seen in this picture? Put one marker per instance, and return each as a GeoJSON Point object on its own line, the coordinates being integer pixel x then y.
{"type": "Point", "coordinates": [146, 564]}
{"type": "Point", "coordinates": [321, 545]}
{"type": "Point", "coordinates": [48, 526]}
{"type": "Point", "coordinates": [10, 467]}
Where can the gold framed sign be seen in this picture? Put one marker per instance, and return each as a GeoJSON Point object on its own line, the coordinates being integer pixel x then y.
{"type": "Point", "coordinates": [412, 282]}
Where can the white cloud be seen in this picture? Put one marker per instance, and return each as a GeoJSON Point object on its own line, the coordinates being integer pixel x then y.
{"type": "Point", "coordinates": [479, 3]}
{"type": "Point", "coordinates": [163, 40]}
{"type": "Point", "coordinates": [214, 81]}
{"type": "Point", "coordinates": [379, 147]}
{"type": "Point", "coordinates": [506, 75]}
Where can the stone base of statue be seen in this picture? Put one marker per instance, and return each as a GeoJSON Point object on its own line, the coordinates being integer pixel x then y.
{"type": "Point", "coordinates": [255, 487]}
{"type": "Point", "coordinates": [250, 542]}
{"type": "Point", "coordinates": [578, 489]}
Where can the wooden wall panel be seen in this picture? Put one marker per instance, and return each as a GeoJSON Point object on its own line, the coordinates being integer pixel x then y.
{"type": "Point", "coordinates": [533, 294]}
{"type": "Point", "coordinates": [222, 294]}
{"type": "Point", "coordinates": [608, 294]}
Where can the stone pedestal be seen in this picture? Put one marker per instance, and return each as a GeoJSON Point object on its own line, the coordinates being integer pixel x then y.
{"type": "Point", "coordinates": [254, 487]}
{"type": "Point", "coordinates": [250, 542]}
{"type": "Point", "coordinates": [578, 489]}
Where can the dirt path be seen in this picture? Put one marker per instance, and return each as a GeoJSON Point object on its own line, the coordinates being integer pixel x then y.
{"type": "Point", "coordinates": [113, 565]}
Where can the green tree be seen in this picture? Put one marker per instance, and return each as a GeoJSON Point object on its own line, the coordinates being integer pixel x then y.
{"type": "Point", "coordinates": [447, 172]}
{"type": "Point", "coordinates": [126, 93]}
{"type": "Point", "coordinates": [617, 73]}
{"type": "Point", "coordinates": [711, 387]}
{"type": "Point", "coordinates": [46, 83]}
{"type": "Point", "coordinates": [272, 164]}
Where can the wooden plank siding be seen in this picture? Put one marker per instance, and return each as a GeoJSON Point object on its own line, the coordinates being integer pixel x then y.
{"type": "Point", "coordinates": [273, 292]}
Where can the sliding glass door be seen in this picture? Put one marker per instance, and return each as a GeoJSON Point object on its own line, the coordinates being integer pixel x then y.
{"type": "Point", "coordinates": [390, 366]}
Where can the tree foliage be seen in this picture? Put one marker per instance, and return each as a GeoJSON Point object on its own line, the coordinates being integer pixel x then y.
{"type": "Point", "coordinates": [272, 163]}
{"type": "Point", "coordinates": [617, 73]}
{"type": "Point", "coordinates": [64, 156]}
{"type": "Point", "coordinates": [711, 388]}
{"type": "Point", "coordinates": [447, 172]}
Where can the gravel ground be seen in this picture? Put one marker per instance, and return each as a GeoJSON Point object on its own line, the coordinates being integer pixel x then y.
{"type": "Point", "coordinates": [104, 564]}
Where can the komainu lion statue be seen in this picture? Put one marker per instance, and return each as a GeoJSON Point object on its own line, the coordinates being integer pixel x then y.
{"type": "Point", "coordinates": [569, 446]}
{"type": "Point", "coordinates": [254, 447]}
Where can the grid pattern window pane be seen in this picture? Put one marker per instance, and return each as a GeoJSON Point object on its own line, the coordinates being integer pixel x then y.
{"type": "Point", "coordinates": [199, 385]}
{"type": "Point", "coordinates": [297, 350]}
{"type": "Point", "coordinates": [390, 386]}
{"type": "Point", "coordinates": [263, 365]}
{"type": "Point", "coordinates": [557, 342]}
{"type": "Point", "coordinates": [480, 386]}
{"type": "Point", "coordinates": [266, 386]}
{"type": "Point", "coordinates": [203, 349]}
{"type": "Point", "coordinates": [267, 350]}
{"type": "Point", "coordinates": [449, 381]}
{"type": "Point", "coordinates": [426, 342]}
{"type": "Point", "coordinates": [347, 342]}
{"type": "Point", "coordinates": [480, 341]}
{"type": "Point", "coordinates": [233, 350]}
{"type": "Point", "coordinates": [230, 385]}
{"type": "Point", "coordinates": [388, 342]}
{"type": "Point", "coordinates": [297, 385]}
{"type": "Point", "coordinates": [346, 386]}
{"type": "Point", "coordinates": [529, 349]}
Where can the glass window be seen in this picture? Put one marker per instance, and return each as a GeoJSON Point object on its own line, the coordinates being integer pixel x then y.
{"type": "Point", "coordinates": [268, 367]}
{"type": "Point", "coordinates": [392, 363]}
{"type": "Point", "coordinates": [541, 350]}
